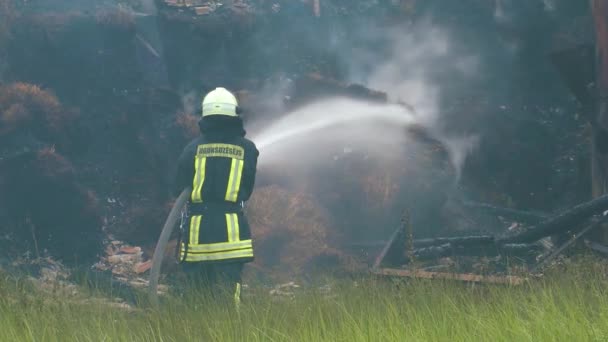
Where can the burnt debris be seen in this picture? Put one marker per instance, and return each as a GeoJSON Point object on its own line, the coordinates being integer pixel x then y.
{"type": "Point", "coordinates": [525, 248]}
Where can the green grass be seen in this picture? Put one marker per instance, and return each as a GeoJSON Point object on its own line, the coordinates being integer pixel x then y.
{"type": "Point", "coordinates": [570, 304]}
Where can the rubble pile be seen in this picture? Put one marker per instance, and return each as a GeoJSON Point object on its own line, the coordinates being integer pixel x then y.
{"type": "Point", "coordinates": [53, 277]}
{"type": "Point", "coordinates": [128, 264]}
{"type": "Point", "coordinates": [199, 7]}
{"type": "Point", "coordinates": [291, 290]}
{"type": "Point", "coordinates": [287, 290]}
{"type": "Point", "coordinates": [54, 280]}
{"type": "Point", "coordinates": [206, 7]}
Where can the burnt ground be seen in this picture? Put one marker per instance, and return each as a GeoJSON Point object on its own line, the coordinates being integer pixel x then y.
{"type": "Point", "coordinates": [96, 102]}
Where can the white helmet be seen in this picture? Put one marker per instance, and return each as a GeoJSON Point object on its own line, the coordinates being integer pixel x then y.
{"type": "Point", "coordinates": [220, 102]}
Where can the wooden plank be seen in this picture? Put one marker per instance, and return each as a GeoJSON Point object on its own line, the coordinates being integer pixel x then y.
{"type": "Point", "coordinates": [466, 277]}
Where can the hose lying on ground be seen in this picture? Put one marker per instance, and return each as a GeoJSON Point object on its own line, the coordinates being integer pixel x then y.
{"type": "Point", "coordinates": [159, 251]}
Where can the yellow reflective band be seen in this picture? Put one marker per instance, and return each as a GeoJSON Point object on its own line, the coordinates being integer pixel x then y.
{"type": "Point", "coordinates": [237, 183]}
{"type": "Point", "coordinates": [221, 150]}
{"type": "Point", "coordinates": [247, 253]}
{"type": "Point", "coordinates": [195, 224]}
{"type": "Point", "coordinates": [234, 182]}
{"type": "Point", "coordinates": [237, 228]}
{"type": "Point", "coordinates": [231, 178]}
{"type": "Point", "coordinates": [237, 294]}
{"type": "Point", "coordinates": [199, 179]}
{"type": "Point", "coordinates": [232, 225]}
{"type": "Point", "coordinates": [218, 247]}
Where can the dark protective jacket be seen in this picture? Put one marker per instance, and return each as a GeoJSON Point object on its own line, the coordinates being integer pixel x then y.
{"type": "Point", "coordinates": [220, 166]}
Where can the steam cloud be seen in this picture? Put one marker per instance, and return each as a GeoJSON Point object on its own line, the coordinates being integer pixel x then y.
{"type": "Point", "coordinates": [190, 102]}
{"type": "Point", "coordinates": [423, 65]}
{"type": "Point", "coordinates": [417, 65]}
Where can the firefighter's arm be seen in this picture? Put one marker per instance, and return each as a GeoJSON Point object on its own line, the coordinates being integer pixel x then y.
{"type": "Point", "coordinates": [251, 163]}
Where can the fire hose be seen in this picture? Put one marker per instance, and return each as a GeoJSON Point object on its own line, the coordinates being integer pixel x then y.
{"type": "Point", "coordinates": [163, 240]}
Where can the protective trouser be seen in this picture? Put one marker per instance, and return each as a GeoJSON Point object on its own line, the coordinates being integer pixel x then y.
{"type": "Point", "coordinates": [218, 281]}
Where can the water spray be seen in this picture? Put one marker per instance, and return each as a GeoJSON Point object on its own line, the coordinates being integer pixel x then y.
{"type": "Point", "coordinates": [333, 123]}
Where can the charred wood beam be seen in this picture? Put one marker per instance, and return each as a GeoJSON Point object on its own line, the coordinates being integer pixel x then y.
{"type": "Point", "coordinates": [562, 222]}
{"type": "Point", "coordinates": [464, 241]}
{"type": "Point", "coordinates": [520, 249]}
{"type": "Point", "coordinates": [433, 252]}
{"type": "Point", "coordinates": [596, 247]}
{"type": "Point", "coordinates": [427, 249]}
{"type": "Point", "coordinates": [394, 251]}
{"type": "Point", "coordinates": [517, 215]}
{"type": "Point", "coordinates": [448, 249]}
{"type": "Point", "coordinates": [421, 243]}
{"type": "Point", "coordinates": [593, 225]}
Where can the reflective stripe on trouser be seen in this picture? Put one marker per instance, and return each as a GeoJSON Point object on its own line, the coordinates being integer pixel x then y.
{"type": "Point", "coordinates": [237, 295]}
{"type": "Point", "coordinates": [233, 249]}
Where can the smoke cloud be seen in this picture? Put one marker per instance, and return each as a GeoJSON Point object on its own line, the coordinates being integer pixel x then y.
{"type": "Point", "coordinates": [190, 101]}
{"type": "Point", "coordinates": [424, 67]}
{"type": "Point", "coordinates": [419, 66]}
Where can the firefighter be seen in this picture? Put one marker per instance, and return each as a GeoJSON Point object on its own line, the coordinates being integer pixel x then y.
{"type": "Point", "coordinates": [220, 167]}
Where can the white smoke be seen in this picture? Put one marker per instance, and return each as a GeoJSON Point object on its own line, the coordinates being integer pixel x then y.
{"type": "Point", "coordinates": [420, 67]}
{"type": "Point", "coordinates": [423, 65]}
{"type": "Point", "coordinates": [500, 14]}
{"type": "Point", "coordinates": [190, 101]}
{"type": "Point", "coordinates": [549, 5]}
{"type": "Point", "coordinates": [148, 7]}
